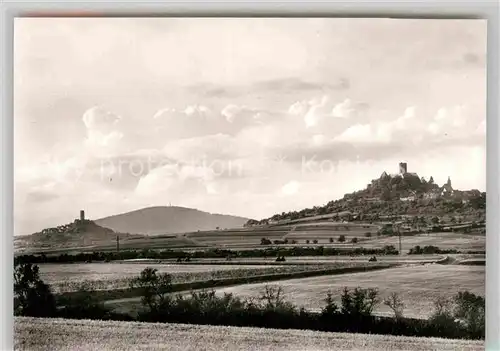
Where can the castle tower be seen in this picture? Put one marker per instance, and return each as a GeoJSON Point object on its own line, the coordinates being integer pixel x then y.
{"type": "Point", "coordinates": [82, 215]}
{"type": "Point", "coordinates": [403, 168]}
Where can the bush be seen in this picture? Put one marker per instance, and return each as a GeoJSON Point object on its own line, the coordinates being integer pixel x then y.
{"type": "Point", "coordinates": [265, 241]}
{"type": "Point", "coordinates": [368, 234]}
{"type": "Point", "coordinates": [330, 240]}
{"type": "Point", "coordinates": [154, 287]}
{"type": "Point", "coordinates": [315, 241]}
{"type": "Point", "coordinates": [32, 297]}
{"type": "Point", "coordinates": [84, 306]}
{"type": "Point", "coordinates": [341, 239]}
{"type": "Point", "coordinates": [354, 240]}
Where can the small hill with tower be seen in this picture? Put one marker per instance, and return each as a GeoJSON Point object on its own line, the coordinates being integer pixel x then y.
{"type": "Point", "coordinates": [81, 232]}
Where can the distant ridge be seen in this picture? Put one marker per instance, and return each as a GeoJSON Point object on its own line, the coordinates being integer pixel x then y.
{"type": "Point", "coordinates": [168, 220]}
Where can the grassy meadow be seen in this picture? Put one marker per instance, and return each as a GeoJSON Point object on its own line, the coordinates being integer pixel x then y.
{"type": "Point", "coordinates": [418, 286]}
{"type": "Point", "coordinates": [37, 334]}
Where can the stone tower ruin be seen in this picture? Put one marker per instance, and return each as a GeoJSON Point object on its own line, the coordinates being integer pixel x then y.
{"type": "Point", "coordinates": [403, 168]}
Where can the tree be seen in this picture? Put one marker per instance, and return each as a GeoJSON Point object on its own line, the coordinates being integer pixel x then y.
{"type": "Point", "coordinates": [360, 302]}
{"type": "Point", "coordinates": [32, 297]}
{"type": "Point", "coordinates": [315, 241]}
{"type": "Point", "coordinates": [354, 240]}
{"type": "Point", "coordinates": [154, 287]}
{"type": "Point", "coordinates": [273, 298]}
{"type": "Point", "coordinates": [330, 240]}
{"type": "Point", "coordinates": [395, 303]}
{"type": "Point", "coordinates": [470, 309]}
{"type": "Point", "coordinates": [341, 239]}
{"type": "Point", "coordinates": [307, 241]}
{"type": "Point", "coordinates": [331, 307]}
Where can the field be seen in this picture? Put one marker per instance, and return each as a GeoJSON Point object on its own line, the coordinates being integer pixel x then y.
{"type": "Point", "coordinates": [291, 260]}
{"type": "Point", "coordinates": [441, 240]}
{"type": "Point", "coordinates": [53, 334]}
{"type": "Point", "coordinates": [109, 276]}
{"type": "Point", "coordinates": [227, 238]}
{"type": "Point", "coordinates": [250, 238]}
{"type": "Point", "coordinates": [104, 276]}
{"type": "Point", "coordinates": [417, 285]}
{"type": "Point", "coordinates": [325, 230]}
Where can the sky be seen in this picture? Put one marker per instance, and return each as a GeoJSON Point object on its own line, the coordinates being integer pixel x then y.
{"type": "Point", "coordinates": [241, 116]}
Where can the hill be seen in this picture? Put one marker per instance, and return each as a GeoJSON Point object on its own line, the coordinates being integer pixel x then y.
{"type": "Point", "coordinates": [80, 233]}
{"type": "Point", "coordinates": [393, 195]}
{"type": "Point", "coordinates": [169, 220]}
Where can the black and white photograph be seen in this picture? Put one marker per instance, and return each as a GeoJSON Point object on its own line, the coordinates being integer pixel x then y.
{"type": "Point", "coordinates": [249, 183]}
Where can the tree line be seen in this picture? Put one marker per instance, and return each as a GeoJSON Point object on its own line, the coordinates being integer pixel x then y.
{"type": "Point", "coordinates": [209, 253]}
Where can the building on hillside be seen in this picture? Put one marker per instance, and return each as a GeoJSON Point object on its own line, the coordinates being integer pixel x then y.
{"type": "Point", "coordinates": [433, 194]}
{"type": "Point", "coordinates": [408, 198]}
{"type": "Point", "coordinates": [447, 189]}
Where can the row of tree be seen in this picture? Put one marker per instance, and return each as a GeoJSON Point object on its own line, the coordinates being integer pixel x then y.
{"type": "Point", "coordinates": [210, 253]}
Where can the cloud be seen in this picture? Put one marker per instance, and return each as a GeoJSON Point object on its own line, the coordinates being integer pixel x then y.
{"type": "Point", "coordinates": [102, 132]}
{"type": "Point", "coordinates": [448, 120]}
{"type": "Point", "coordinates": [323, 111]}
{"type": "Point", "coordinates": [173, 182]}
{"type": "Point", "coordinates": [347, 109]}
{"type": "Point", "coordinates": [207, 147]}
{"type": "Point", "coordinates": [233, 113]}
{"type": "Point", "coordinates": [412, 127]}
{"type": "Point", "coordinates": [296, 84]}
{"type": "Point", "coordinates": [189, 121]}
{"type": "Point", "coordinates": [290, 188]}
{"type": "Point", "coordinates": [286, 85]}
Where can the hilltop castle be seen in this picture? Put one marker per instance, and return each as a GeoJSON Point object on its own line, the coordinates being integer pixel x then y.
{"type": "Point", "coordinates": [75, 227]}
{"type": "Point", "coordinates": [406, 186]}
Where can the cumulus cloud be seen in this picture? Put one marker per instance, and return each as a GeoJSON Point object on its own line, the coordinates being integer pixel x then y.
{"type": "Point", "coordinates": [102, 129]}
{"type": "Point", "coordinates": [211, 147]}
{"type": "Point", "coordinates": [189, 121]}
{"type": "Point", "coordinates": [231, 112]}
{"type": "Point", "coordinates": [194, 111]}
{"type": "Point", "coordinates": [290, 188]}
{"type": "Point", "coordinates": [448, 120]}
{"type": "Point", "coordinates": [411, 127]}
{"type": "Point", "coordinates": [365, 133]}
{"type": "Point", "coordinates": [319, 111]}
{"type": "Point", "coordinates": [173, 182]}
